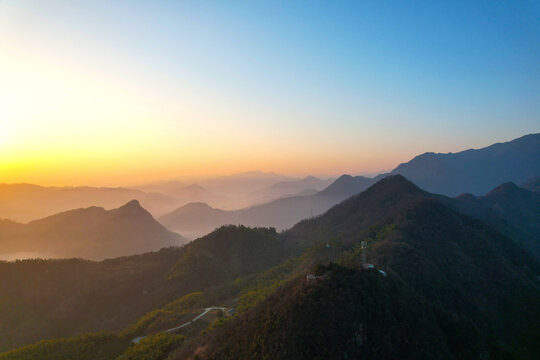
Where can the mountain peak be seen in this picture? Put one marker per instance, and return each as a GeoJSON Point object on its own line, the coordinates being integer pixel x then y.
{"type": "Point", "coordinates": [347, 185]}
{"type": "Point", "coordinates": [396, 179]}
{"type": "Point", "coordinates": [132, 207]}
{"type": "Point", "coordinates": [396, 184]}
{"type": "Point", "coordinates": [505, 189]}
{"type": "Point", "coordinates": [197, 205]}
{"type": "Point", "coordinates": [131, 204]}
{"type": "Point", "coordinates": [475, 171]}
{"type": "Point", "coordinates": [466, 197]}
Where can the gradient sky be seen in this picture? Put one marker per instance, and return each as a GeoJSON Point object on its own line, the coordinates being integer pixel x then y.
{"type": "Point", "coordinates": [123, 92]}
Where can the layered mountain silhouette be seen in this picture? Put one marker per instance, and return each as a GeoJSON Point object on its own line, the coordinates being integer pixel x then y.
{"type": "Point", "coordinates": [471, 171]}
{"type": "Point", "coordinates": [475, 171]}
{"type": "Point", "coordinates": [301, 187]}
{"type": "Point", "coordinates": [452, 287]}
{"type": "Point", "coordinates": [450, 277]}
{"type": "Point", "coordinates": [183, 194]}
{"type": "Point", "coordinates": [91, 233]}
{"type": "Point", "coordinates": [245, 181]}
{"type": "Point", "coordinates": [26, 202]}
{"type": "Point", "coordinates": [510, 209]}
{"type": "Point", "coordinates": [200, 218]}
{"type": "Point", "coordinates": [347, 185]}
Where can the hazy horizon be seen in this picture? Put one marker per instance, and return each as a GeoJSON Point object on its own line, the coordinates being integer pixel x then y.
{"type": "Point", "coordinates": [191, 179]}
{"type": "Point", "coordinates": [172, 180]}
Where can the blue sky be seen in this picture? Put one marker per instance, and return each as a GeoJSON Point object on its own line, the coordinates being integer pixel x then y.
{"type": "Point", "coordinates": [359, 85]}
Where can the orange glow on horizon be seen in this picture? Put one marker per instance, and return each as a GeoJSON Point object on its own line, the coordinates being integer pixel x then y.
{"type": "Point", "coordinates": [93, 115]}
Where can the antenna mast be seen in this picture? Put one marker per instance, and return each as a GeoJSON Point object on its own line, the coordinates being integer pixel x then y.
{"type": "Point", "coordinates": [364, 262]}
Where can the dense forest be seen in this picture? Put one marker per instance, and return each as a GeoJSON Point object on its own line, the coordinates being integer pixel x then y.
{"type": "Point", "coordinates": [452, 288]}
{"type": "Point", "coordinates": [442, 284]}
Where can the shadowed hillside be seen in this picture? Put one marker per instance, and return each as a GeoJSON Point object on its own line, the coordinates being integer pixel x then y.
{"type": "Point", "coordinates": [56, 298]}
{"type": "Point", "coordinates": [475, 171]}
{"type": "Point", "coordinates": [281, 214]}
{"type": "Point", "coordinates": [91, 233]}
{"type": "Point", "coordinates": [532, 184]}
{"type": "Point", "coordinates": [455, 288]}
{"type": "Point", "coordinates": [510, 209]}
{"type": "Point", "coordinates": [290, 188]}
{"type": "Point", "coordinates": [26, 202]}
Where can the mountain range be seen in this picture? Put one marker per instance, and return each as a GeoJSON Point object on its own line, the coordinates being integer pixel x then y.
{"type": "Point", "coordinates": [452, 286]}
{"type": "Point", "coordinates": [27, 202]}
{"type": "Point", "coordinates": [470, 171]}
{"type": "Point", "coordinates": [475, 171]}
{"type": "Point", "coordinates": [198, 218]}
{"type": "Point", "coordinates": [512, 210]}
{"type": "Point", "coordinates": [91, 233]}
{"type": "Point", "coordinates": [301, 187]}
{"type": "Point", "coordinates": [403, 272]}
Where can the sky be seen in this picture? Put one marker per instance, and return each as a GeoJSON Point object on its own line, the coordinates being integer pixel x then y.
{"type": "Point", "coordinates": [124, 92]}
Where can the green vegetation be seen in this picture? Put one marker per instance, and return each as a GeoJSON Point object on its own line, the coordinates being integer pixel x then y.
{"type": "Point", "coordinates": [372, 317]}
{"type": "Point", "coordinates": [255, 294]}
{"type": "Point", "coordinates": [455, 289]}
{"type": "Point", "coordinates": [227, 253]}
{"type": "Point", "coordinates": [255, 288]}
{"type": "Point", "coordinates": [165, 317]}
{"type": "Point", "coordinates": [99, 346]}
{"type": "Point", "coordinates": [219, 322]}
{"type": "Point", "coordinates": [154, 347]}
{"type": "Point", "coordinates": [443, 269]}
{"type": "Point", "coordinates": [60, 298]}
{"type": "Point", "coordinates": [373, 235]}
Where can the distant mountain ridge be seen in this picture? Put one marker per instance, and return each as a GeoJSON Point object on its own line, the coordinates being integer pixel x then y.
{"type": "Point", "coordinates": [470, 171]}
{"type": "Point", "coordinates": [446, 276]}
{"type": "Point", "coordinates": [281, 214]}
{"type": "Point", "coordinates": [91, 233]}
{"type": "Point", "coordinates": [475, 171]}
{"type": "Point", "coordinates": [290, 188]}
{"type": "Point", "coordinates": [347, 185]}
{"type": "Point", "coordinates": [452, 287]}
{"type": "Point", "coordinates": [301, 184]}
{"type": "Point", "coordinates": [26, 202]}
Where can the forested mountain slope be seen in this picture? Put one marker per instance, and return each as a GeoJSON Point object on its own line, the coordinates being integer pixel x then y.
{"type": "Point", "coordinates": [455, 288]}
